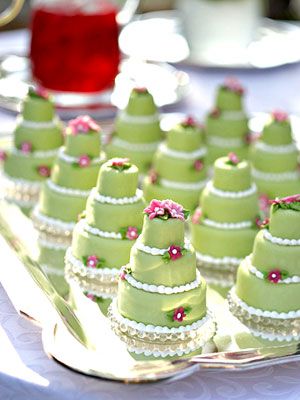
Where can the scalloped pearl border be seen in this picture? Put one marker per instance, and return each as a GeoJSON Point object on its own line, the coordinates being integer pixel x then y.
{"type": "Point", "coordinates": [280, 241]}
{"type": "Point", "coordinates": [263, 313]}
{"type": "Point", "coordinates": [280, 149]}
{"type": "Point", "coordinates": [35, 154]}
{"type": "Point", "coordinates": [52, 271]}
{"type": "Point", "coordinates": [51, 245]}
{"type": "Point", "coordinates": [260, 275]}
{"type": "Point", "coordinates": [155, 251]}
{"type": "Point", "coordinates": [54, 222]}
{"type": "Point", "coordinates": [218, 261]}
{"type": "Point", "coordinates": [117, 200]}
{"type": "Point", "coordinates": [182, 185]}
{"type": "Point", "coordinates": [70, 159]}
{"type": "Point", "coordinates": [184, 155]}
{"type": "Point", "coordinates": [67, 191]}
{"type": "Point", "coordinates": [38, 124]}
{"type": "Point", "coordinates": [97, 232]}
{"type": "Point", "coordinates": [274, 337]}
{"type": "Point", "coordinates": [219, 141]}
{"type": "Point", "coordinates": [276, 177]}
{"type": "Point", "coordinates": [24, 183]}
{"type": "Point", "coordinates": [138, 119]}
{"type": "Point", "coordinates": [161, 289]}
{"type": "Point", "coordinates": [229, 194]}
{"type": "Point", "coordinates": [138, 147]}
{"type": "Point", "coordinates": [227, 225]}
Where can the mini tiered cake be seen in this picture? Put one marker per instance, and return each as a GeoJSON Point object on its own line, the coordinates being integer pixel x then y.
{"type": "Point", "coordinates": [74, 174]}
{"type": "Point", "coordinates": [103, 239]}
{"type": "Point", "coordinates": [179, 170]}
{"type": "Point", "coordinates": [37, 136]}
{"type": "Point", "coordinates": [274, 158]}
{"type": "Point", "coordinates": [266, 297]}
{"type": "Point", "coordinates": [137, 131]}
{"type": "Point", "coordinates": [227, 123]}
{"type": "Point", "coordinates": [160, 310]}
{"type": "Point", "coordinates": [224, 228]}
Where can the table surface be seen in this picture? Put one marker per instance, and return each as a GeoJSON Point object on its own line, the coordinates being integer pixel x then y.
{"type": "Point", "coordinates": [25, 370]}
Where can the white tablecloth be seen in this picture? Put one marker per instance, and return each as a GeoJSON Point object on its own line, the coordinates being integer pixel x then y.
{"type": "Point", "coordinates": [25, 370]}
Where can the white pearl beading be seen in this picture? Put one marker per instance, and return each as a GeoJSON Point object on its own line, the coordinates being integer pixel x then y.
{"type": "Point", "coordinates": [53, 222]}
{"type": "Point", "coordinates": [184, 155]}
{"type": "Point", "coordinates": [204, 258]}
{"type": "Point", "coordinates": [274, 337]}
{"type": "Point", "coordinates": [138, 147]}
{"type": "Point", "coordinates": [37, 124]}
{"type": "Point", "coordinates": [275, 177]}
{"type": "Point", "coordinates": [138, 119]}
{"type": "Point", "coordinates": [67, 191]}
{"type": "Point", "coordinates": [280, 149]}
{"type": "Point", "coordinates": [280, 241]}
{"type": "Point", "coordinates": [231, 195]}
{"type": "Point", "coordinates": [263, 313]}
{"type": "Point", "coordinates": [20, 191]}
{"type": "Point", "coordinates": [233, 115]}
{"type": "Point", "coordinates": [70, 159]}
{"type": "Point", "coordinates": [182, 185]}
{"type": "Point", "coordinates": [52, 271]}
{"type": "Point", "coordinates": [97, 232]}
{"type": "Point", "coordinates": [219, 141]}
{"type": "Point", "coordinates": [35, 154]}
{"type": "Point", "coordinates": [117, 201]}
{"type": "Point", "coordinates": [161, 289]}
{"type": "Point", "coordinates": [51, 245]}
{"type": "Point", "coordinates": [79, 268]}
{"type": "Point", "coordinates": [20, 183]}
{"type": "Point", "coordinates": [227, 225]}
{"type": "Point", "coordinates": [155, 251]}
{"type": "Point", "coordinates": [260, 275]}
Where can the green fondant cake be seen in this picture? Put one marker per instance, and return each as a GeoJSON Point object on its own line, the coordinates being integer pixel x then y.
{"type": "Point", "coordinates": [36, 138]}
{"type": "Point", "coordinates": [179, 167]}
{"type": "Point", "coordinates": [224, 228]}
{"type": "Point", "coordinates": [137, 131]}
{"type": "Point", "coordinates": [266, 297]}
{"type": "Point", "coordinates": [74, 173]}
{"type": "Point", "coordinates": [274, 158]}
{"type": "Point", "coordinates": [160, 292]}
{"type": "Point", "coordinates": [103, 239]}
{"type": "Point", "coordinates": [227, 124]}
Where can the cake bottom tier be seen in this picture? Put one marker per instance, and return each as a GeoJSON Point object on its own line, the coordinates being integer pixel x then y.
{"type": "Point", "coordinates": [277, 189]}
{"type": "Point", "coordinates": [215, 152]}
{"type": "Point", "coordinates": [189, 199]}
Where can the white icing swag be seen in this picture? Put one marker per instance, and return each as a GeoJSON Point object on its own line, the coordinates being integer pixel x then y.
{"type": "Point", "coordinates": [139, 147]}
{"type": "Point", "coordinates": [220, 141]}
{"type": "Point", "coordinates": [229, 194]}
{"type": "Point", "coordinates": [138, 119]}
{"type": "Point", "coordinates": [116, 200]}
{"type": "Point", "coordinates": [280, 241]}
{"type": "Point", "coordinates": [280, 149]}
{"type": "Point", "coordinates": [37, 124]}
{"type": "Point", "coordinates": [67, 191]}
{"type": "Point", "coordinates": [184, 155]}
{"type": "Point", "coordinates": [276, 177]}
{"type": "Point", "coordinates": [183, 185]}
{"type": "Point", "coordinates": [155, 251]}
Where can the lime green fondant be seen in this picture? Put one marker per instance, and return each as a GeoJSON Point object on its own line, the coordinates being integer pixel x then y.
{"type": "Point", "coordinates": [154, 270]}
{"type": "Point", "coordinates": [142, 160]}
{"type": "Point", "coordinates": [141, 104]}
{"type": "Point", "coordinates": [228, 100]}
{"type": "Point", "coordinates": [138, 133]}
{"type": "Point", "coordinates": [215, 152]}
{"type": "Point", "coordinates": [277, 189]}
{"type": "Point", "coordinates": [267, 256]}
{"type": "Point", "coordinates": [162, 233]}
{"type": "Point", "coordinates": [221, 243]}
{"type": "Point", "coordinates": [88, 143]}
{"type": "Point", "coordinates": [223, 209]}
{"type": "Point", "coordinates": [73, 176]}
{"type": "Point", "coordinates": [26, 167]}
{"type": "Point", "coordinates": [115, 183]}
{"type": "Point", "coordinates": [185, 138]}
{"type": "Point", "coordinates": [41, 139]}
{"type": "Point", "coordinates": [264, 161]}
{"type": "Point", "coordinates": [188, 198]}
{"type": "Point", "coordinates": [226, 128]}
{"type": "Point", "coordinates": [265, 295]}
{"type": "Point", "coordinates": [277, 133]}
{"type": "Point", "coordinates": [153, 308]}
{"type": "Point", "coordinates": [115, 252]}
{"type": "Point", "coordinates": [285, 224]}
{"type": "Point", "coordinates": [232, 178]}
{"type": "Point", "coordinates": [60, 206]}
{"type": "Point", "coordinates": [38, 110]}
{"type": "Point", "coordinates": [111, 218]}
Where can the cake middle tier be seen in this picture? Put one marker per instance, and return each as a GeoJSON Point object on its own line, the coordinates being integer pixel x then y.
{"type": "Point", "coordinates": [273, 162]}
{"type": "Point", "coordinates": [138, 133]}
{"type": "Point", "coordinates": [155, 308]}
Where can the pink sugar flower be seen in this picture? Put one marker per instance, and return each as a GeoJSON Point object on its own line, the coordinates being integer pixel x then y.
{"type": "Point", "coordinates": [197, 216]}
{"type": "Point", "coordinates": [189, 121]}
{"type": "Point", "coordinates": [264, 203]}
{"type": "Point", "coordinates": [132, 233]}
{"type": "Point", "coordinates": [26, 147]}
{"type": "Point", "coordinates": [233, 158]}
{"type": "Point", "coordinates": [153, 176]}
{"type": "Point", "coordinates": [234, 85]}
{"type": "Point", "coordinates": [156, 208]}
{"type": "Point", "coordinates": [262, 223]}
{"type": "Point", "coordinates": [280, 116]}
{"type": "Point", "coordinates": [119, 162]}
{"type": "Point", "coordinates": [274, 276]}
{"type": "Point", "coordinates": [44, 171]}
{"type": "Point", "coordinates": [198, 165]}
{"type": "Point", "coordinates": [215, 113]}
{"type": "Point", "coordinates": [83, 124]}
{"type": "Point", "coordinates": [91, 296]}
{"type": "Point", "coordinates": [123, 273]}
{"type": "Point", "coordinates": [3, 155]}
{"type": "Point", "coordinates": [286, 200]}
{"type": "Point", "coordinates": [84, 161]}
{"type": "Point", "coordinates": [42, 92]}
{"type": "Point", "coordinates": [179, 314]}
{"type": "Point", "coordinates": [174, 210]}
{"type": "Point", "coordinates": [140, 90]}
{"type": "Point", "coordinates": [92, 261]}
{"type": "Point", "coordinates": [175, 252]}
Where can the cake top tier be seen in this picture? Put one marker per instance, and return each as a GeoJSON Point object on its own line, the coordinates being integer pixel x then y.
{"type": "Point", "coordinates": [141, 103]}
{"type": "Point", "coordinates": [118, 178]}
{"type": "Point", "coordinates": [82, 137]}
{"type": "Point", "coordinates": [277, 130]}
{"type": "Point", "coordinates": [230, 95]}
{"type": "Point", "coordinates": [232, 174]}
{"type": "Point", "coordinates": [163, 224]}
{"type": "Point", "coordinates": [38, 106]}
{"type": "Point", "coordinates": [185, 136]}
{"type": "Point", "coordinates": [285, 217]}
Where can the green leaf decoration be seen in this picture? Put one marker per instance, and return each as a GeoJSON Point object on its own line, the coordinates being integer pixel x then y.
{"type": "Point", "coordinates": [121, 168]}
{"type": "Point", "coordinates": [295, 206]}
{"type": "Point", "coordinates": [166, 257]}
{"type": "Point", "coordinates": [186, 213]}
{"type": "Point", "coordinates": [32, 93]}
{"type": "Point", "coordinates": [170, 315]}
{"type": "Point", "coordinates": [123, 232]}
{"type": "Point", "coordinates": [284, 274]}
